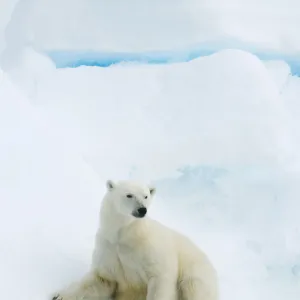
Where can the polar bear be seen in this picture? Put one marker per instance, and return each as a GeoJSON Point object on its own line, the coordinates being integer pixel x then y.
{"type": "Point", "coordinates": [138, 258]}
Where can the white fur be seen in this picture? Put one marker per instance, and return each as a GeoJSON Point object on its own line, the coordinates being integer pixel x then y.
{"type": "Point", "coordinates": [139, 258]}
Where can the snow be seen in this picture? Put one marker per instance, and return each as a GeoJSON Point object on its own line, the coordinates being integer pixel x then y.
{"type": "Point", "coordinates": [218, 136]}
{"type": "Point", "coordinates": [162, 25]}
{"type": "Point", "coordinates": [225, 159]}
{"type": "Point", "coordinates": [195, 127]}
{"type": "Point", "coordinates": [280, 72]}
{"type": "Point", "coordinates": [40, 178]}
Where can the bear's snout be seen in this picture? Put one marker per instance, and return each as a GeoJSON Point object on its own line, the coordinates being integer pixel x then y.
{"type": "Point", "coordinates": [140, 212]}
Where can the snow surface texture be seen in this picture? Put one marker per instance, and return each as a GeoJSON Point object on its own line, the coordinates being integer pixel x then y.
{"type": "Point", "coordinates": [221, 144]}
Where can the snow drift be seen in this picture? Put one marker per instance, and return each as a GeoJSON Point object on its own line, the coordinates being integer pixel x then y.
{"type": "Point", "coordinates": [220, 144]}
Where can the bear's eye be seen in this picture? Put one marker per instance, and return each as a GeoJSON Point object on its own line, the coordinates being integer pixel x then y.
{"type": "Point", "coordinates": [129, 196]}
{"type": "Point", "coordinates": [146, 197]}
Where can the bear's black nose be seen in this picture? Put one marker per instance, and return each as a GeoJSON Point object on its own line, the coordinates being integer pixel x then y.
{"type": "Point", "coordinates": [142, 211]}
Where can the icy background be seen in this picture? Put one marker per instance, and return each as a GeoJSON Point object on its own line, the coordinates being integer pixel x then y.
{"type": "Point", "coordinates": [218, 135]}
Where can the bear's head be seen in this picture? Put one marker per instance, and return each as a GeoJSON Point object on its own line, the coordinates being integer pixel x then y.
{"type": "Point", "coordinates": [130, 198]}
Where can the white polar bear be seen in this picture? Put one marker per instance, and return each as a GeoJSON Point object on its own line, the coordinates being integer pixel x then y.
{"type": "Point", "coordinates": [137, 258]}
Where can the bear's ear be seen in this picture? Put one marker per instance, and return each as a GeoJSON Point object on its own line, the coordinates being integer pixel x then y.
{"type": "Point", "coordinates": [110, 185]}
{"type": "Point", "coordinates": [152, 190]}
